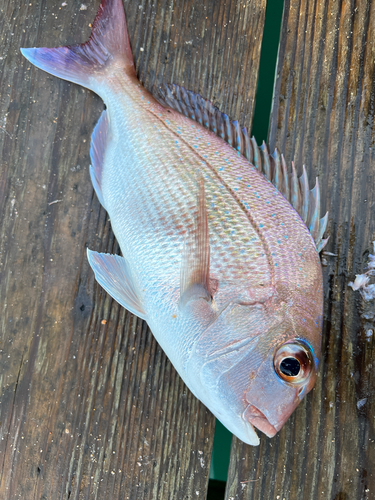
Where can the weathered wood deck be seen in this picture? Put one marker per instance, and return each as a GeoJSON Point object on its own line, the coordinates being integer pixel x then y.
{"type": "Point", "coordinates": [90, 407]}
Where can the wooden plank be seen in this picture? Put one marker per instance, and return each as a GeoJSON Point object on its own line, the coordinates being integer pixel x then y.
{"type": "Point", "coordinates": [323, 116]}
{"type": "Point", "coordinates": [89, 404]}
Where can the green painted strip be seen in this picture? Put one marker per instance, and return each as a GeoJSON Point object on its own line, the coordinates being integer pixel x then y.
{"type": "Point", "coordinates": [267, 69]}
{"type": "Point", "coordinates": [220, 453]}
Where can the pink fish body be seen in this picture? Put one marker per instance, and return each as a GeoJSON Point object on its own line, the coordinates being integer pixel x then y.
{"type": "Point", "coordinates": [215, 259]}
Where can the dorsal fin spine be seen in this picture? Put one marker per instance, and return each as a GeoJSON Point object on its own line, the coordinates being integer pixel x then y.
{"type": "Point", "coordinates": [239, 137]}
{"type": "Point", "coordinates": [322, 226]}
{"type": "Point", "coordinates": [315, 216]}
{"type": "Point", "coordinates": [295, 196]}
{"type": "Point", "coordinates": [304, 183]}
{"type": "Point", "coordinates": [276, 170]}
{"type": "Point", "coordinates": [248, 149]}
{"type": "Point", "coordinates": [256, 155]}
{"type": "Point", "coordinates": [266, 161]}
{"type": "Point", "coordinates": [285, 179]}
{"type": "Point", "coordinates": [228, 130]}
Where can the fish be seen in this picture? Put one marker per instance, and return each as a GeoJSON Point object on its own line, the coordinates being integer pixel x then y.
{"type": "Point", "coordinates": [220, 243]}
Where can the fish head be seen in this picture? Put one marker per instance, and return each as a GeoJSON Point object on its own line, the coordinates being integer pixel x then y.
{"type": "Point", "coordinates": [257, 362]}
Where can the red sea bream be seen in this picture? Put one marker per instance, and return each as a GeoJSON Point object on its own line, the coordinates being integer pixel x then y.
{"type": "Point", "coordinates": [214, 257]}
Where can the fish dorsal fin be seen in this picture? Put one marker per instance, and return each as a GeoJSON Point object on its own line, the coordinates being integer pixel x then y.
{"type": "Point", "coordinates": [273, 166]}
{"type": "Point", "coordinates": [195, 264]}
{"type": "Point", "coordinates": [112, 272]}
{"type": "Point", "coordinates": [99, 139]}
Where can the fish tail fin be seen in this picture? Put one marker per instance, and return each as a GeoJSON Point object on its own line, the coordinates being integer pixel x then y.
{"type": "Point", "coordinates": [85, 63]}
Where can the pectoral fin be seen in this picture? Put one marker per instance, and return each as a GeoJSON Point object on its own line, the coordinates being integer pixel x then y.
{"type": "Point", "coordinates": [195, 266]}
{"type": "Point", "coordinates": [113, 274]}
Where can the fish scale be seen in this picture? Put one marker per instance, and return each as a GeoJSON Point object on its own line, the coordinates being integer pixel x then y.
{"type": "Point", "coordinates": [280, 238]}
{"type": "Point", "coordinates": [214, 257]}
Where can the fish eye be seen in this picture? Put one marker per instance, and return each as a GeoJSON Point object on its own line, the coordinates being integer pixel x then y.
{"type": "Point", "coordinates": [293, 361]}
{"type": "Point", "coordinates": [290, 367]}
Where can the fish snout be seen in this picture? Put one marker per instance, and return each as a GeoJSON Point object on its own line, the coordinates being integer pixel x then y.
{"type": "Point", "coordinates": [258, 419]}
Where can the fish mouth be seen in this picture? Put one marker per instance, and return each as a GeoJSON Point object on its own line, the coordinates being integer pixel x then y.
{"type": "Point", "coordinates": [258, 419]}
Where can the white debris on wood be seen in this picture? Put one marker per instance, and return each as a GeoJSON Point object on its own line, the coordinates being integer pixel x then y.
{"type": "Point", "coordinates": [361, 281]}
{"type": "Point", "coordinates": [368, 293]}
{"type": "Point", "coordinates": [361, 403]}
{"type": "Point", "coordinates": [369, 334]}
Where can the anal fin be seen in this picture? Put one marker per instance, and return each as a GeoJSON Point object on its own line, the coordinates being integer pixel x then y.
{"type": "Point", "coordinates": [195, 265]}
{"type": "Point", "coordinates": [112, 272]}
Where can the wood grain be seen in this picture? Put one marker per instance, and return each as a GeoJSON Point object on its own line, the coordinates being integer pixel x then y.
{"type": "Point", "coordinates": [323, 116]}
{"type": "Point", "coordinates": [89, 405]}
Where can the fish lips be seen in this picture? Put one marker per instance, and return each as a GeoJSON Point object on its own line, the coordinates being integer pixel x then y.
{"type": "Point", "coordinates": [258, 419]}
{"type": "Point", "coordinates": [269, 414]}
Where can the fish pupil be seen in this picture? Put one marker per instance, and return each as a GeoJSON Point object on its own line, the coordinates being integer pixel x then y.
{"type": "Point", "coordinates": [290, 367]}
